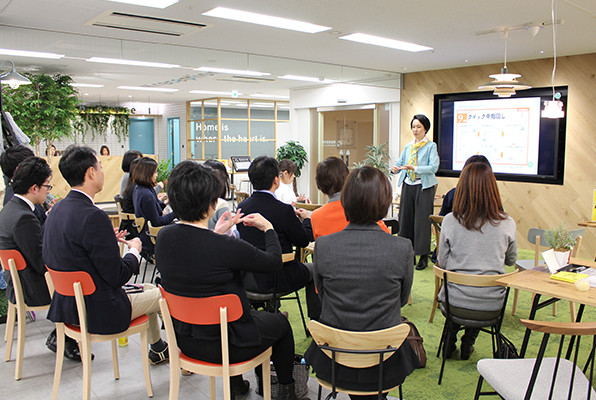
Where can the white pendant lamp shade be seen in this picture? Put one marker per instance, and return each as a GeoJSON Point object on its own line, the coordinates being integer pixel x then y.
{"type": "Point", "coordinates": [505, 84]}
{"type": "Point", "coordinates": [13, 78]}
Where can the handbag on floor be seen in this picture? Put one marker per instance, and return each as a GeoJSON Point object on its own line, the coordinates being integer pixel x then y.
{"type": "Point", "coordinates": [416, 342]}
{"type": "Point", "coordinates": [300, 375]}
{"type": "Point", "coordinates": [505, 348]}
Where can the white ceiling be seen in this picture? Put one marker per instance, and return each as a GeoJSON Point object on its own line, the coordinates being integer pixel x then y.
{"type": "Point", "coordinates": [450, 27]}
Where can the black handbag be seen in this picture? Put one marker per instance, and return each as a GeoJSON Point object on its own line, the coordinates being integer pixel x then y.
{"type": "Point", "coordinates": [505, 348]}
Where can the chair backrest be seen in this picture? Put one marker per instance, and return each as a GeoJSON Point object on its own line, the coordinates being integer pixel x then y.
{"type": "Point", "coordinates": [470, 279]}
{"type": "Point", "coordinates": [138, 221]}
{"type": "Point", "coordinates": [77, 284]}
{"type": "Point", "coordinates": [306, 206]}
{"type": "Point", "coordinates": [153, 231]}
{"type": "Point", "coordinates": [16, 255]}
{"type": "Point", "coordinates": [346, 342]}
{"type": "Point", "coordinates": [202, 310]}
{"type": "Point", "coordinates": [241, 196]}
{"type": "Point", "coordinates": [570, 380]}
{"type": "Point", "coordinates": [118, 200]}
{"type": "Point", "coordinates": [436, 221]}
{"type": "Point", "coordinates": [537, 237]}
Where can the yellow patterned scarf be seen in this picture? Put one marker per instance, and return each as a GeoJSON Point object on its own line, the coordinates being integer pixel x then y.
{"type": "Point", "coordinates": [413, 160]}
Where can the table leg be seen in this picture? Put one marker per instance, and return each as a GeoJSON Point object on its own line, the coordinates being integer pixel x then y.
{"type": "Point", "coordinates": [522, 351]}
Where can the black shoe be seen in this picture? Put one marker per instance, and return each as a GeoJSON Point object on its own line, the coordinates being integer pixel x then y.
{"type": "Point", "coordinates": [449, 350]}
{"type": "Point", "coordinates": [466, 351]}
{"type": "Point", "coordinates": [286, 392]}
{"type": "Point", "coordinates": [422, 262]}
{"type": "Point", "coordinates": [239, 385]}
{"type": "Point", "coordinates": [51, 341]}
{"type": "Point", "coordinates": [159, 357]}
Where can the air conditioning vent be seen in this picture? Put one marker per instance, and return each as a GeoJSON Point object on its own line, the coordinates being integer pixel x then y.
{"type": "Point", "coordinates": [246, 79]}
{"type": "Point", "coordinates": [145, 23]}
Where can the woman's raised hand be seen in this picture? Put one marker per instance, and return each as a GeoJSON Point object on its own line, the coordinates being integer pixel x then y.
{"type": "Point", "coordinates": [227, 220]}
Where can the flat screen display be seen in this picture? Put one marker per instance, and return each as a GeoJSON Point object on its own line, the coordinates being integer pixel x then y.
{"type": "Point", "coordinates": [510, 132]}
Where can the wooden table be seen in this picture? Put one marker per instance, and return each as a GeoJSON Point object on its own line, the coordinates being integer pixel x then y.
{"type": "Point", "coordinates": [540, 283]}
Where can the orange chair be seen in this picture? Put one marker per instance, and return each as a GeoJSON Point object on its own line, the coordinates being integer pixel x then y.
{"type": "Point", "coordinates": [13, 261]}
{"type": "Point", "coordinates": [79, 284]}
{"type": "Point", "coordinates": [208, 311]}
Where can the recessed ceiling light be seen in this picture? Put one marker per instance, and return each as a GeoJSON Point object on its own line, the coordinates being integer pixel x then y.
{"type": "Point", "coordinates": [148, 89]}
{"type": "Point", "coordinates": [130, 62]}
{"type": "Point", "coordinates": [384, 42]}
{"type": "Point", "coordinates": [212, 92]}
{"type": "Point", "coordinates": [307, 79]}
{"type": "Point", "coordinates": [25, 53]}
{"type": "Point", "coordinates": [267, 20]}
{"type": "Point", "coordinates": [232, 71]}
{"type": "Point", "coordinates": [269, 96]}
{"type": "Point", "coordinates": [87, 85]}
{"type": "Point", "coordinates": [148, 3]}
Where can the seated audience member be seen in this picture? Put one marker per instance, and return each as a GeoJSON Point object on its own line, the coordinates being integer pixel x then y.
{"type": "Point", "coordinates": [20, 230]}
{"type": "Point", "coordinates": [51, 151]}
{"type": "Point", "coordinates": [222, 205]}
{"type": "Point", "coordinates": [146, 202]}
{"type": "Point", "coordinates": [292, 226]}
{"type": "Point", "coordinates": [364, 277]}
{"type": "Point", "coordinates": [104, 150]}
{"type": "Point", "coordinates": [128, 205]}
{"type": "Point", "coordinates": [127, 159]}
{"type": "Point", "coordinates": [197, 262]}
{"type": "Point", "coordinates": [476, 238]}
{"type": "Point", "coordinates": [331, 218]}
{"type": "Point", "coordinates": [78, 236]}
{"type": "Point", "coordinates": [285, 192]}
{"type": "Point", "coordinates": [447, 205]}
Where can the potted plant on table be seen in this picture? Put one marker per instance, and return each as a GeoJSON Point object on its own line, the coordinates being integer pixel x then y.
{"type": "Point", "coordinates": [561, 241]}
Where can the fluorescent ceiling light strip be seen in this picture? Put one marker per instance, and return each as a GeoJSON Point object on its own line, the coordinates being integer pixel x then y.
{"type": "Point", "coordinates": [384, 42]}
{"type": "Point", "coordinates": [307, 79]}
{"type": "Point", "coordinates": [130, 62]}
{"type": "Point", "coordinates": [148, 3]}
{"type": "Point", "coordinates": [25, 53]}
{"type": "Point", "coordinates": [86, 85]}
{"type": "Point", "coordinates": [148, 89]}
{"type": "Point", "coordinates": [267, 20]}
{"type": "Point", "coordinates": [232, 71]}
{"type": "Point", "coordinates": [212, 92]}
{"type": "Point", "coordinates": [272, 96]}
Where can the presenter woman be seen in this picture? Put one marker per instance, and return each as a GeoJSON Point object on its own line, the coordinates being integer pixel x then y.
{"type": "Point", "coordinates": [373, 283]}
{"type": "Point", "coordinates": [417, 166]}
{"type": "Point", "coordinates": [476, 238]}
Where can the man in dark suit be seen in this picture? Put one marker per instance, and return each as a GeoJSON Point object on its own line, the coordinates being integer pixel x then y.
{"type": "Point", "coordinates": [20, 230]}
{"type": "Point", "coordinates": [79, 236]}
{"type": "Point", "coordinates": [293, 228]}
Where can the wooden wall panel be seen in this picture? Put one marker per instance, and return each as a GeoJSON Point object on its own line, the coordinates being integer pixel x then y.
{"type": "Point", "coordinates": [530, 204]}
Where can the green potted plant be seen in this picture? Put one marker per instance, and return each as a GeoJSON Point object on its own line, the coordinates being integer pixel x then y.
{"type": "Point", "coordinates": [561, 241]}
{"type": "Point", "coordinates": [163, 171]}
{"type": "Point", "coordinates": [295, 152]}
{"type": "Point", "coordinates": [377, 157]}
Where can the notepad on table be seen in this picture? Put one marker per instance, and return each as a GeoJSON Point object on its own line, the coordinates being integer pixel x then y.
{"type": "Point", "coordinates": [568, 276]}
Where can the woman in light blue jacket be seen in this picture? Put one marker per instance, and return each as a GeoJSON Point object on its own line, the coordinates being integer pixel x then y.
{"type": "Point", "coordinates": [417, 166]}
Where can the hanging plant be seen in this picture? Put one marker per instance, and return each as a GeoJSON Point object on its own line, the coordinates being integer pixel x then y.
{"type": "Point", "coordinates": [95, 119]}
{"type": "Point", "coordinates": [119, 125]}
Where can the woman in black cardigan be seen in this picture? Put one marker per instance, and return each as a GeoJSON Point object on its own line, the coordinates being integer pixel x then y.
{"type": "Point", "coordinates": [197, 262]}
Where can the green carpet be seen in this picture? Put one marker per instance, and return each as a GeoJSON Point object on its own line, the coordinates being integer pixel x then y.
{"type": "Point", "coordinates": [460, 377]}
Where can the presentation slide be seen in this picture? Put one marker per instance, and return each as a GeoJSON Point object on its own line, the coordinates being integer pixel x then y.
{"type": "Point", "coordinates": [506, 131]}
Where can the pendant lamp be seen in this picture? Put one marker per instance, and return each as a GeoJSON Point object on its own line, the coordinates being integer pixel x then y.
{"type": "Point", "coordinates": [13, 78]}
{"type": "Point", "coordinates": [553, 108]}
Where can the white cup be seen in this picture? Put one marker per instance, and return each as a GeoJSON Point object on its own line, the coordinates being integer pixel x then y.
{"type": "Point", "coordinates": [582, 285]}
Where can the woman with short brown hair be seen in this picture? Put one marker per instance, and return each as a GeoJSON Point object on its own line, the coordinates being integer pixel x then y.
{"type": "Point", "coordinates": [476, 238]}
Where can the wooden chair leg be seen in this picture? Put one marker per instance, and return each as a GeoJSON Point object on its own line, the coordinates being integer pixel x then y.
{"type": "Point", "coordinates": [212, 383]}
{"type": "Point", "coordinates": [59, 359]}
{"type": "Point", "coordinates": [410, 300]}
{"type": "Point", "coordinates": [554, 309]}
{"type": "Point", "coordinates": [572, 311]}
{"type": "Point", "coordinates": [115, 359]}
{"type": "Point", "coordinates": [514, 307]}
{"type": "Point", "coordinates": [435, 302]}
{"type": "Point", "coordinates": [174, 374]}
{"type": "Point", "coordinates": [18, 372]}
{"type": "Point", "coordinates": [145, 360]}
{"type": "Point", "coordinates": [9, 332]}
{"type": "Point", "coordinates": [266, 380]}
{"type": "Point", "coordinates": [86, 358]}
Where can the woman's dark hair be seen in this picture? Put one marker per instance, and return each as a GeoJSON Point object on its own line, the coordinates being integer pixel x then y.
{"type": "Point", "coordinates": [128, 157]}
{"type": "Point", "coordinates": [222, 173]}
{"type": "Point", "coordinates": [132, 167]}
{"type": "Point", "coordinates": [477, 199]}
{"type": "Point", "coordinates": [102, 148]}
{"type": "Point", "coordinates": [366, 195]}
{"type": "Point", "coordinates": [48, 149]}
{"type": "Point", "coordinates": [192, 189]}
{"type": "Point", "coordinates": [143, 172]}
{"type": "Point", "coordinates": [423, 120]}
{"type": "Point", "coordinates": [477, 158]}
{"type": "Point", "coordinates": [331, 175]}
{"type": "Point", "coordinates": [75, 162]}
{"type": "Point", "coordinates": [288, 166]}
{"type": "Point", "coordinates": [32, 171]}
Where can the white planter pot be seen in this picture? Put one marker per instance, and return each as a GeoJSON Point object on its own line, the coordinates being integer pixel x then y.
{"type": "Point", "coordinates": [563, 257]}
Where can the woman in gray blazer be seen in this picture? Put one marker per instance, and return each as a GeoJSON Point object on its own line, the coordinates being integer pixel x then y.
{"type": "Point", "coordinates": [363, 276]}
